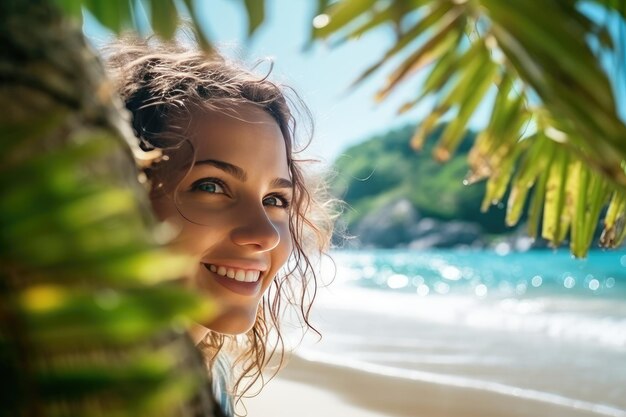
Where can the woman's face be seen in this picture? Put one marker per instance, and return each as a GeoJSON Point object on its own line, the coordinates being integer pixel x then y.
{"type": "Point", "coordinates": [233, 212]}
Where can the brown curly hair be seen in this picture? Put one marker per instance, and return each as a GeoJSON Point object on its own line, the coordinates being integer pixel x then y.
{"type": "Point", "coordinates": [161, 85]}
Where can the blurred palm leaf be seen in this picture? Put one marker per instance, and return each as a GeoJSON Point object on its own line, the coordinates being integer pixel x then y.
{"type": "Point", "coordinates": [554, 131]}
{"type": "Point", "coordinates": [92, 321]}
{"type": "Point", "coordinates": [165, 15]}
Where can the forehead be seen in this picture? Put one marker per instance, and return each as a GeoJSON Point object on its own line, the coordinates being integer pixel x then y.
{"type": "Point", "coordinates": [246, 136]}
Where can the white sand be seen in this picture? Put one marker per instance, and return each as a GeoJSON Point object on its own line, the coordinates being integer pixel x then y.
{"type": "Point", "coordinates": [307, 388]}
{"type": "Point", "coordinates": [283, 397]}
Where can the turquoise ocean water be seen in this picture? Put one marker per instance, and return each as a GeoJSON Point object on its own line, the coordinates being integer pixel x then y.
{"type": "Point", "coordinates": [537, 325]}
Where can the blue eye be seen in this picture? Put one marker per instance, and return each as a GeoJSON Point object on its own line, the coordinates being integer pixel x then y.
{"type": "Point", "coordinates": [209, 187]}
{"type": "Point", "coordinates": [276, 201]}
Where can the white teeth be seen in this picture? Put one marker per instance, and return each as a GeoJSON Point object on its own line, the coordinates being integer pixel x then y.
{"type": "Point", "coordinates": [237, 274]}
{"type": "Point", "coordinates": [240, 275]}
{"type": "Point", "coordinates": [252, 276]}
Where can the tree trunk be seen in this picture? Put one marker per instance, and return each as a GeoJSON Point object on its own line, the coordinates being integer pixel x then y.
{"type": "Point", "coordinates": [54, 98]}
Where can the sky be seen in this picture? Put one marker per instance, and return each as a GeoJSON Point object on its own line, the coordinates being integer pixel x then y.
{"type": "Point", "coordinates": [321, 75]}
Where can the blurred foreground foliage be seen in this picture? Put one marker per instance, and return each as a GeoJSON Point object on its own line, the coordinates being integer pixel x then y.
{"type": "Point", "coordinates": [92, 319]}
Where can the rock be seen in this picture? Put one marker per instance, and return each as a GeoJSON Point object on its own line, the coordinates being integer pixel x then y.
{"type": "Point", "coordinates": [389, 226]}
{"type": "Point", "coordinates": [424, 228]}
{"type": "Point", "coordinates": [437, 234]}
{"type": "Point", "coordinates": [398, 224]}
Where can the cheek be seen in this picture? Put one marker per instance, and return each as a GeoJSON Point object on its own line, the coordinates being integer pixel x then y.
{"type": "Point", "coordinates": [195, 239]}
{"type": "Point", "coordinates": [285, 247]}
{"type": "Point", "coordinates": [188, 237]}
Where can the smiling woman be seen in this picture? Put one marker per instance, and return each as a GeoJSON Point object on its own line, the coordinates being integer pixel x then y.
{"type": "Point", "coordinates": [229, 182]}
{"type": "Point", "coordinates": [233, 210]}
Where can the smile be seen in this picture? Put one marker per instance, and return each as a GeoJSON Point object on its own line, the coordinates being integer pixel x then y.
{"type": "Point", "coordinates": [242, 275]}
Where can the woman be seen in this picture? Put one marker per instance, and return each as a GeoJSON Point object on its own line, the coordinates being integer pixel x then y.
{"type": "Point", "coordinates": [231, 185]}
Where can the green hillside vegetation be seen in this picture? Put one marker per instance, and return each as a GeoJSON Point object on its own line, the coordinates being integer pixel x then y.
{"type": "Point", "coordinates": [384, 168]}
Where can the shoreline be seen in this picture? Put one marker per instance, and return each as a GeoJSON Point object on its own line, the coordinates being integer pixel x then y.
{"type": "Point", "coordinates": [310, 388]}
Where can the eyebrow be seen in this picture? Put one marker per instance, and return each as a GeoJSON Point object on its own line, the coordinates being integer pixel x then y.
{"type": "Point", "coordinates": [240, 174]}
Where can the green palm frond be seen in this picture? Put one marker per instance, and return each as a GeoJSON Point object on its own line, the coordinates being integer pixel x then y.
{"type": "Point", "coordinates": [165, 15]}
{"type": "Point", "coordinates": [78, 272]}
{"type": "Point", "coordinates": [554, 132]}
{"type": "Point", "coordinates": [92, 319]}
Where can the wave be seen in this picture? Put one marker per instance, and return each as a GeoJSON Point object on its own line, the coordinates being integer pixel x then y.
{"type": "Point", "coordinates": [597, 321]}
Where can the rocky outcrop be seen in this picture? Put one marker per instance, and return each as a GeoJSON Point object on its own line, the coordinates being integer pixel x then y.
{"type": "Point", "coordinates": [399, 224]}
{"type": "Point", "coordinates": [431, 233]}
{"type": "Point", "coordinates": [387, 227]}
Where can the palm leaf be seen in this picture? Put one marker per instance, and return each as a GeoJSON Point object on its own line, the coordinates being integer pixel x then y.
{"type": "Point", "coordinates": [555, 110]}
{"type": "Point", "coordinates": [255, 9]}
{"type": "Point", "coordinates": [164, 18]}
{"type": "Point", "coordinates": [535, 161]}
{"type": "Point", "coordinates": [113, 14]}
{"type": "Point", "coordinates": [341, 13]}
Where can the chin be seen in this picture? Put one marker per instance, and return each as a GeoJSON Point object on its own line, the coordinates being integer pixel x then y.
{"type": "Point", "coordinates": [232, 321]}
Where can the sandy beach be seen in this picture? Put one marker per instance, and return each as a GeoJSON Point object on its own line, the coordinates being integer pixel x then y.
{"type": "Point", "coordinates": [307, 388]}
{"type": "Point", "coordinates": [548, 351]}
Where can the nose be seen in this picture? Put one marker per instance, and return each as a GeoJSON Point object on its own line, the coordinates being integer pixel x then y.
{"type": "Point", "coordinates": [256, 230]}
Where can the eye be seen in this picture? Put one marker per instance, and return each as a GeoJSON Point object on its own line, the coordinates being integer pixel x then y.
{"type": "Point", "coordinates": [276, 200]}
{"type": "Point", "coordinates": [209, 186]}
